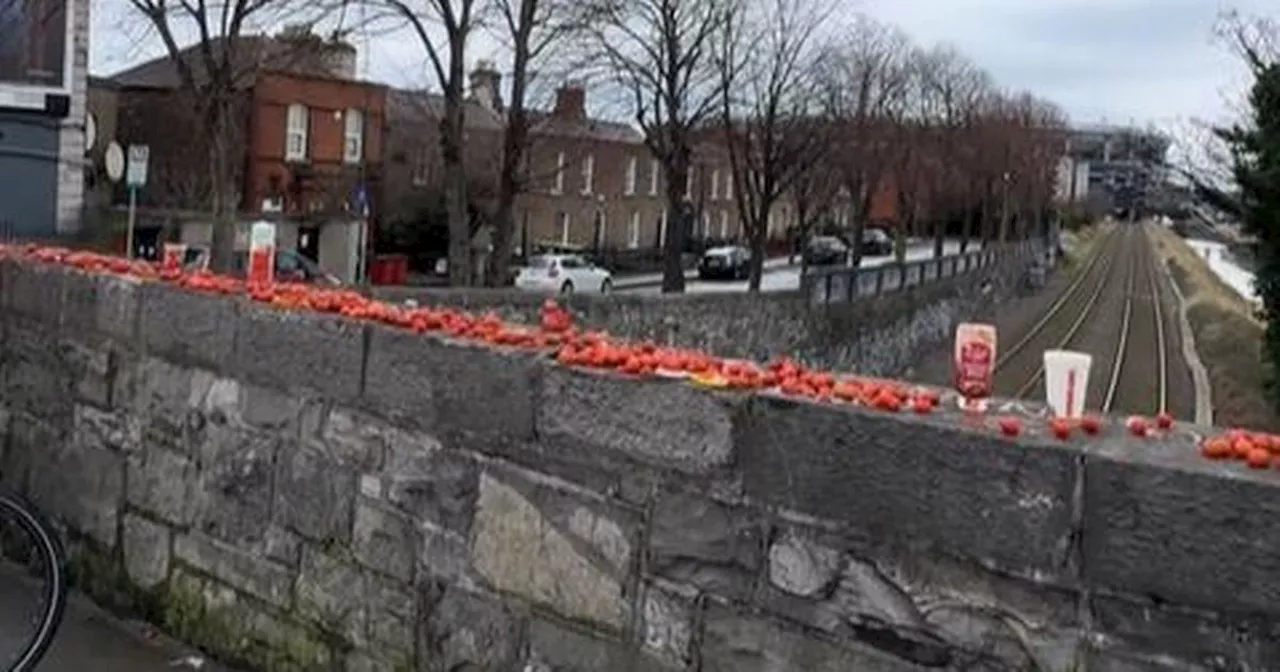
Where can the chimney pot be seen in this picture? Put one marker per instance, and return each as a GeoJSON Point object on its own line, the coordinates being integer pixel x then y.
{"type": "Point", "coordinates": [571, 101]}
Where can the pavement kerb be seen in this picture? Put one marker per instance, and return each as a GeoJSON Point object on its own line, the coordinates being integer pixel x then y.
{"type": "Point", "coordinates": [1199, 375]}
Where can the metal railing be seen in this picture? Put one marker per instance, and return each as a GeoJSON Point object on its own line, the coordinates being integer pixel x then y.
{"type": "Point", "coordinates": [847, 284]}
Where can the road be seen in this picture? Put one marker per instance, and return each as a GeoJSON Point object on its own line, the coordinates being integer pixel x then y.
{"type": "Point", "coordinates": [1120, 308]}
{"type": "Point", "coordinates": [90, 639]}
{"type": "Point", "coordinates": [781, 277]}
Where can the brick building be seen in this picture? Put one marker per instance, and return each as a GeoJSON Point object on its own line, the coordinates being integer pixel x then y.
{"type": "Point", "coordinates": [591, 183]}
{"type": "Point", "coordinates": [307, 139]}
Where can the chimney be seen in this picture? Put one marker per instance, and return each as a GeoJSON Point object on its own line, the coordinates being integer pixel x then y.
{"type": "Point", "coordinates": [485, 83]}
{"type": "Point", "coordinates": [571, 102]}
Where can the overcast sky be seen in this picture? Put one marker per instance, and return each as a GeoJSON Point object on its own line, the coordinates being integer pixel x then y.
{"type": "Point", "coordinates": [1145, 61]}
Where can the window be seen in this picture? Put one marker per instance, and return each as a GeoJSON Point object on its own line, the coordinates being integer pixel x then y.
{"type": "Point", "coordinates": [601, 231]}
{"type": "Point", "coordinates": [633, 236]}
{"type": "Point", "coordinates": [715, 183]}
{"type": "Point", "coordinates": [353, 145]}
{"type": "Point", "coordinates": [662, 228]}
{"type": "Point", "coordinates": [630, 187]}
{"type": "Point", "coordinates": [688, 184]}
{"type": "Point", "coordinates": [421, 171]}
{"type": "Point", "coordinates": [564, 228]}
{"type": "Point", "coordinates": [295, 137]}
{"type": "Point", "coordinates": [728, 188]}
{"type": "Point", "coordinates": [588, 173]}
{"type": "Point", "coordinates": [558, 187]}
{"type": "Point", "coordinates": [724, 223]}
{"type": "Point", "coordinates": [653, 177]}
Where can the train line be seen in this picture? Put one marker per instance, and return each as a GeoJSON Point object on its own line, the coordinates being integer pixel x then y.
{"type": "Point", "coordinates": [1139, 376]}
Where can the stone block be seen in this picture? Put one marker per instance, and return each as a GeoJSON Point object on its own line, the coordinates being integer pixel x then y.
{"type": "Point", "coordinates": [35, 377]}
{"type": "Point", "coordinates": [167, 402]}
{"type": "Point", "coordinates": [665, 423]}
{"type": "Point", "coordinates": [187, 327]}
{"type": "Point", "coordinates": [164, 484]}
{"type": "Point", "coordinates": [365, 442]}
{"type": "Point", "coordinates": [667, 630]}
{"type": "Point", "coordinates": [802, 566]}
{"type": "Point", "coordinates": [432, 485]}
{"type": "Point", "coordinates": [348, 601]}
{"type": "Point", "coordinates": [314, 493]}
{"type": "Point", "coordinates": [708, 544]}
{"type": "Point", "coordinates": [384, 540]}
{"type": "Point", "coordinates": [98, 306]}
{"type": "Point", "coordinates": [81, 484]}
{"type": "Point", "coordinates": [36, 291]}
{"type": "Point", "coordinates": [1003, 502]}
{"type": "Point", "coordinates": [570, 555]}
{"type": "Point", "coordinates": [146, 551]}
{"type": "Point", "coordinates": [1161, 522]}
{"type": "Point", "coordinates": [319, 355]}
{"type": "Point", "coordinates": [469, 630]}
{"type": "Point", "coordinates": [1151, 628]}
{"type": "Point", "coordinates": [111, 430]}
{"type": "Point", "coordinates": [737, 642]}
{"type": "Point", "coordinates": [234, 495]}
{"type": "Point", "coordinates": [555, 647]}
{"type": "Point", "coordinates": [450, 388]}
{"type": "Point", "coordinates": [237, 568]}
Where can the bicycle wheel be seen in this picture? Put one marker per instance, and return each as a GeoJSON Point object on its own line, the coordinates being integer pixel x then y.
{"type": "Point", "coordinates": [33, 585]}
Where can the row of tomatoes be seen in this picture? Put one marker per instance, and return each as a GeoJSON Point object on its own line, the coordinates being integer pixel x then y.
{"type": "Point", "coordinates": [594, 350]}
{"type": "Point", "coordinates": [1259, 450]}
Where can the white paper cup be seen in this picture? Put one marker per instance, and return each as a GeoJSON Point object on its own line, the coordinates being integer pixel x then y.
{"type": "Point", "coordinates": [1066, 380]}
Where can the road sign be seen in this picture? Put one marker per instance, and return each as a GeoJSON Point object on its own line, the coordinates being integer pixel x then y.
{"type": "Point", "coordinates": [114, 160]}
{"type": "Point", "coordinates": [136, 170]}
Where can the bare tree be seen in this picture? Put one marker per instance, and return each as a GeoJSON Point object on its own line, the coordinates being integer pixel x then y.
{"type": "Point", "coordinates": [446, 53]}
{"type": "Point", "coordinates": [659, 54]}
{"type": "Point", "coordinates": [773, 136]}
{"type": "Point", "coordinates": [212, 75]}
{"type": "Point", "coordinates": [530, 27]}
{"type": "Point", "coordinates": [865, 84]}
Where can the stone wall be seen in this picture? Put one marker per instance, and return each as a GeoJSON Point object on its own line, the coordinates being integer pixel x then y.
{"type": "Point", "coordinates": [307, 493]}
{"type": "Point", "coordinates": [881, 335]}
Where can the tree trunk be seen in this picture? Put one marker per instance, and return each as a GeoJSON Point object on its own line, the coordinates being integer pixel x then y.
{"type": "Point", "coordinates": [757, 236]}
{"type": "Point", "coordinates": [455, 196]}
{"type": "Point", "coordinates": [677, 222]}
{"type": "Point", "coordinates": [222, 239]}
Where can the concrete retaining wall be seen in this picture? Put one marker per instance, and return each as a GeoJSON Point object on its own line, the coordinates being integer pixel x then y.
{"type": "Point", "coordinates": [308, 493]}
{"type": "Point", "coordinates": [876, 335]}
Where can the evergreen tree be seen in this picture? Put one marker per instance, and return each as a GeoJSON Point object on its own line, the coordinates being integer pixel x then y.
{"type": "Point", "coordinates": [1255, 154]}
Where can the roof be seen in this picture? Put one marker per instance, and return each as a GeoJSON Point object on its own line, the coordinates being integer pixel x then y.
{"type": "Point", "coordinates": [408, 104]}
{"type": "Point", "coordinates": [252, 53]}
{"type": "Point", "coordinates": [546, 123]}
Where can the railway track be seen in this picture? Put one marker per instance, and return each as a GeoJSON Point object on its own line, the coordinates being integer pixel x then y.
{"type": "Point", "coordinates": [1125, 332]}
{"type": "Point", "coordinates": [1139, 376]}
{"type": "Point", "coordinates": [1021, 366]}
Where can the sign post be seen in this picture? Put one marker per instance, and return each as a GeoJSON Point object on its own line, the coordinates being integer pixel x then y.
{"type": "Point", "coordinates": [135, 179]}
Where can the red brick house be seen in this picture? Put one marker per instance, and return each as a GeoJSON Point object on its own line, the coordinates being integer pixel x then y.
{"type": "Point", "coordinates": [308, 134]}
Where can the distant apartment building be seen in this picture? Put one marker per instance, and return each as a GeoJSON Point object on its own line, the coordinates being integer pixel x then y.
{"type": "Point", "coordinates": [307, 148]}
{"type": "Point", "coordinates": [1117, 166]}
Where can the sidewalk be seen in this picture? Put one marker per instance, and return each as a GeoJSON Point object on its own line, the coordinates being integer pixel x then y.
{"type": "Point", "coordinates": [90, 639]}
{"type": "Point", "coordinates": [655, 279]}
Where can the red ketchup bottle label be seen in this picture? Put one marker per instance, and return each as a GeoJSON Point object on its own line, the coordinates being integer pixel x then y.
{"type": "Point", "coordinates": [973, 370]}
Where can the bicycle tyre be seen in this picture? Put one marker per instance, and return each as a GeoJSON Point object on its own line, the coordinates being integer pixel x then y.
{"type": "Point", "coordinates": [52, 562]}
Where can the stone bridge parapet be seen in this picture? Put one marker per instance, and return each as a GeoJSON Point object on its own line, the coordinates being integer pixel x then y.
{"type": "Point", "coordinates": [308, 492]}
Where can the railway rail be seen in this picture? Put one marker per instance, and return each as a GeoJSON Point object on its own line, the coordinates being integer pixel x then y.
{"type": "Point", "coordinates": [1113, 311]}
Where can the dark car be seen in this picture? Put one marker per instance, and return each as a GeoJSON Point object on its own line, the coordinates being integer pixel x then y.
{"type": "Point", "coordinates": [730, 262]}
{"type": "Point", "coordinates": [826, 251]}
{"type": "Point", "coordinates": [876, 243]}
{"type": "Point", "coordinates": [290, 266]}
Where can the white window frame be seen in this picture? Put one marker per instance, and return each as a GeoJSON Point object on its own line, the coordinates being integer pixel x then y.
{"type": "Point", "coordinates": [653, 177]}
{"type": "Point", "coordinates": [633, 235]}
{"type": "Point", "coordinates": [588, 174]}
{"type": "Point", "coordinates": [353, 136]}
{"type": "Point", "coordinates": [602, 235]}
{"type": "Point", "coordinates": [724, 223]}
{"type": "Point", "coordinates": [629, 189]}
{"type": "Point", "coordinates": [728, 188]}
{"type": "Point", "coordinates": [558, 187]}
{"type": "Point", "coordinates": [688, 183]}
{"type": "Point", "coordinates": [421, 173]}
{"type": "Point", "coordinates": [564, 228]}
{"type": "Point", "coordinates": [662, 228]}
{"type": "Point", "coordinates": [715, 184]}
{"type": "Point", "coordinates": [297, 129]}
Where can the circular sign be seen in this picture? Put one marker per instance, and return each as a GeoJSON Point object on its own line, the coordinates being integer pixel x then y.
{"type": "Point", "coordinates": [90, 132]}
{"type": "Point", "coordinates": [114, 161]}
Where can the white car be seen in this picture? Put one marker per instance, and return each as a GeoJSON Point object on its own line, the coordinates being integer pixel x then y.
{"type": "Point", "coordinates": [563, 274]}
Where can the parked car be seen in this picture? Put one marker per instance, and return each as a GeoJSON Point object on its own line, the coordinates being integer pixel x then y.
{"type": "Point", "coordinates": [826, 251]}
{"type": "Point", "coordinates": [729, 262]}
{"type": "Point", "coordinates": [876, 243]}
{"type": "Point", "coordinates": [563, 274]}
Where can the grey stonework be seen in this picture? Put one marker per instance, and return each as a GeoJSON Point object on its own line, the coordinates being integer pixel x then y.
{"type": "Point", "coordinates": [300, 493]}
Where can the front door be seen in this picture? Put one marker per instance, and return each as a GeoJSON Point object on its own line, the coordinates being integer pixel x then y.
{"type": "Point", "coordinates": [309, 242]}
